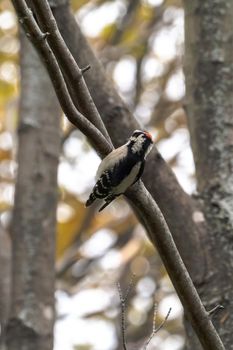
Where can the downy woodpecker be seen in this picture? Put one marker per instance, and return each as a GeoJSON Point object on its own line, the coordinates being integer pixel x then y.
{"type": "Point", "coordinates": [121, 168]}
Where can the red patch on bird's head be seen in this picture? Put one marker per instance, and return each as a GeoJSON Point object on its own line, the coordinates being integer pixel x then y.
{"type": "Point", "coordinates": [148, 135]}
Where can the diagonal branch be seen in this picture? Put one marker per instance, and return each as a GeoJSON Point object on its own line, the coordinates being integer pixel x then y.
{"type": "Point", "coordinates": [38, 38]}
{"type": "Point", "coordinates": [151, 217]}
{"type": "Point", "coordinates": [178, 208]}
{"type": "Point", "coordinates": [142, 202]}
{"type": "Point", "coordinates": [72, 73]}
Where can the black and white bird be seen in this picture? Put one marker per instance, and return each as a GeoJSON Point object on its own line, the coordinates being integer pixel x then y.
{"type": "Point", "coordinates": [121, 168]}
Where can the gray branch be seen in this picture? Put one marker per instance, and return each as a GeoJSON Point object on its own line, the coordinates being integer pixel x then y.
{"type": "Point", "coordinates": [72, 73]}
{"type": "Point", "coordinates": [37, 37]}
{"type": "Point", "coordinates": [178, 208]}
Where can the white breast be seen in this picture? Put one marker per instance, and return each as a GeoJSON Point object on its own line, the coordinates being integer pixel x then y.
{"type": "Point", "coordinates": [128, 181]}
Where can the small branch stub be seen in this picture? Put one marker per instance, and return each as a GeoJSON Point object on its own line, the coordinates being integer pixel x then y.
{"type": "Point", "coordinates": [215, 309]}
{"type": "Point", "coordinates": [45, 35]}
{"type": "Point", "coordinates": [85, 69]}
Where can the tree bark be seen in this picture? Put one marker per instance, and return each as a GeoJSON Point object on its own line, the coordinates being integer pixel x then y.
{"type": "Point", "coordinates": [5, 284]}
{"type": "Point", "coordinates": [179, 210]}
{"type": "Point", "coordinates": [34, 216]}
{"type": "Point", "coordinates": [209, 82]}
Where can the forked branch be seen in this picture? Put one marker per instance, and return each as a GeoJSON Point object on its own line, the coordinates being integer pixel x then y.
{"type": "Point", "coordinates": [154, 328]}
{"type": "Point", "coordinates": [123, 304]}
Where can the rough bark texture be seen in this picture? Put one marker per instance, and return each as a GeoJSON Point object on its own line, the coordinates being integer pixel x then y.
{"type": "Point", "coordinates": [209, 81]}
{"type": "Point", "coordinates": [34, 216]}
{"type": "Point", "coordinates": [5, 281]}
{"type": "Point", "coordinates": [177, 207]}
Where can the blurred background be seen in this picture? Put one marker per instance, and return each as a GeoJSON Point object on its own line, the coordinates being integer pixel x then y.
{"type": "Point", "coordinates": [140, 44]}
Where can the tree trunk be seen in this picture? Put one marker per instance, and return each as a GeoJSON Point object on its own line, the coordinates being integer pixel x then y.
{"type": "Point", "coordinates": [31, 320]}
{"type": "Point", "coordinates": [5, 281]}
{"type": "Point", "coordinates": [209, 82]}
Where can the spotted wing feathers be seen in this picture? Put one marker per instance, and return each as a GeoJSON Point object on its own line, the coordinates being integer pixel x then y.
{"type": "Point", "coordinates": [101, 189]}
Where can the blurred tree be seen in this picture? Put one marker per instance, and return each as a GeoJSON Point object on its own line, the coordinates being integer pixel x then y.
{"type": "Point", "coordinates": [5, 278]}
{"type": "Point", "coordinates": [30, 324]}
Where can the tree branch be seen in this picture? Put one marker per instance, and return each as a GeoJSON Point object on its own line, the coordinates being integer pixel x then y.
{"type": "Point", "coordinates": [178, 208]}
{"type": "Point", "coordinates": [154, 328]}
{"type": "Point", "coordinates": [149, 214]}
{"type": "Point", "coordinates": [123, 303]}
{"type": "Point", "coordinates": [142, 202]}
{"type": "Point", "coordinates": [72, 73]}
{"type": "Point", "coordinates": [75, 117]}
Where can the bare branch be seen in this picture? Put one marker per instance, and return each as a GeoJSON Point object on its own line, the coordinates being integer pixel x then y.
{"type": "Point", "coordinates": [130, 287]}
{"type": "Point", "coordinates": [154, 329]}
{"type": "Point", "coordinates": [150, 215]}
{"type": "Point", "coordinates": [123, 308]}
{"type": "Point", "coordinates": [73, 74]}
{"type": "Point", "coordinates": [75, 117]}
{"type": "Point", "coordinates": [176, 205]}
{"type": "Point", "coordinates": [123, 303]}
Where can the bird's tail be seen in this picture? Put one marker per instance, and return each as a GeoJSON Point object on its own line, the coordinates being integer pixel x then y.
{"type": "Point", "coordinates": [108, 200]}
{"type": "Point", "coordinates": [90, 200]}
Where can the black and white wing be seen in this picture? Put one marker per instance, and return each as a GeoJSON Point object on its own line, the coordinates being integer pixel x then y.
{"type": "Point", "coordinates": [122, 171]}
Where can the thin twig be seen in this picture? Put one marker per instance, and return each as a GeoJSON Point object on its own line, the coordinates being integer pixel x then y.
{"type": "Point", "coordinates": [130, 287]}
{"type": "Point", "coordinates": [154, 329]}
{"type": "Point", "coordinates": [123, 323]}
{"type": "Point", "coordinates": [123, 303]}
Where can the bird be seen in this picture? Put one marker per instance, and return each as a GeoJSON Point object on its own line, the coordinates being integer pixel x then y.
{"type": "Point", "coordinates": [121, 168]}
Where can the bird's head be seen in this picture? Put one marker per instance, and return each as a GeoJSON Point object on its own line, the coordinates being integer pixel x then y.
{"type": "Point", "coordinates": [140, 143]}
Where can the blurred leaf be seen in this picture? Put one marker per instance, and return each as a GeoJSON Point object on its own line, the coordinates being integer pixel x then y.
{"type": "Point", "coordinates": [6, 90]}
{"type": "Point", "coordinates": [67, 231]}
{"type": "Point", "coordinates": [77, 4]}
{"type": "Point", "coordinates": [5, 154]}
{"type": "Point", "coordinates": [108, 31]}
{"type": "Point", "coordinates": [83, 347]}
{"type": "Point", "coordinates": [5, 56]}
